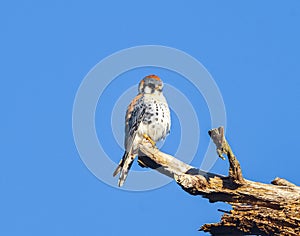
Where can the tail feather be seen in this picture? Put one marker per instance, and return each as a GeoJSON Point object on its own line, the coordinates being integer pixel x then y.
{"type": "Point", "coordinates": [117, 170]}
{"type": "Point", "coordinates": [124, 167]}
{"type": "Point", "coordinates": [120, 165]}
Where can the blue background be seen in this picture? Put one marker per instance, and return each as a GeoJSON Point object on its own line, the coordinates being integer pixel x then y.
{"type": "Point", "coordinates": [252, 50]}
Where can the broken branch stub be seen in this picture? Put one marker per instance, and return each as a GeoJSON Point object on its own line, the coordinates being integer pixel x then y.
{"type": "Point", "coordinates": [218, 137]}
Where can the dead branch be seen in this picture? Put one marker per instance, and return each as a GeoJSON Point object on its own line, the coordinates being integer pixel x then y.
{"type": "Point", "coordinates": [257, 208]}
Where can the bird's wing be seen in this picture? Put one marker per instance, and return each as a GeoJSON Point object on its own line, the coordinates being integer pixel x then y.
{"type": "Point", "coordinates": [134, 116]}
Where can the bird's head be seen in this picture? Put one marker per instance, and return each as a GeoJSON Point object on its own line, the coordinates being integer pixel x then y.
{"type": "Point", "coordinates": [151, 84]}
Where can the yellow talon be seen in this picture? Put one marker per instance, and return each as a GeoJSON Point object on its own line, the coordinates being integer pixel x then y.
{"type": "Point", "coordinates": [149, 139]}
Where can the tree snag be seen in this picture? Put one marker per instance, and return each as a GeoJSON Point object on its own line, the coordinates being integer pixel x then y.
{"type": "Point", "coordinates": [257, 208]}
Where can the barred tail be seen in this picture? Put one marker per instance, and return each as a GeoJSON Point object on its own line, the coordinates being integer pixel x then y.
{"type": "Point", "coordinates": [124, 167]}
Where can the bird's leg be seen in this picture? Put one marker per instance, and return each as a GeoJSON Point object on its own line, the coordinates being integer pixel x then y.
{"type": "Point", "coordinates": [149, 139]}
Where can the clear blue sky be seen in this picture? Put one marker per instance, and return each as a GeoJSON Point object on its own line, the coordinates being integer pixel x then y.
{"type": "Point", "coordinates": [252, 50]}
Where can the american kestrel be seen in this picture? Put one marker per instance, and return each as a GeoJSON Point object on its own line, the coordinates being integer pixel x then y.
{"type": "Point", "coordinates": [147, 116]}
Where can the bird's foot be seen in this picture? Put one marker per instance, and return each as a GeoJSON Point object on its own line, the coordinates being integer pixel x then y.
{"type": "Point", "coordinates": [149, 139]}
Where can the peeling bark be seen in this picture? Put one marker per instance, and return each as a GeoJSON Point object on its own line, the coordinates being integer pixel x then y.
{"type": "Point", "coordinates": [257, 208]}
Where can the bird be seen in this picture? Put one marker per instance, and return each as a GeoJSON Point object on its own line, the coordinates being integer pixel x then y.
{"type": "Point", "coordinates": [147, 117]}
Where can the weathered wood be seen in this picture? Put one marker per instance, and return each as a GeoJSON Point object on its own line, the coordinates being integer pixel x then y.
{"type": "Point", "coordinates": [257, 208]}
